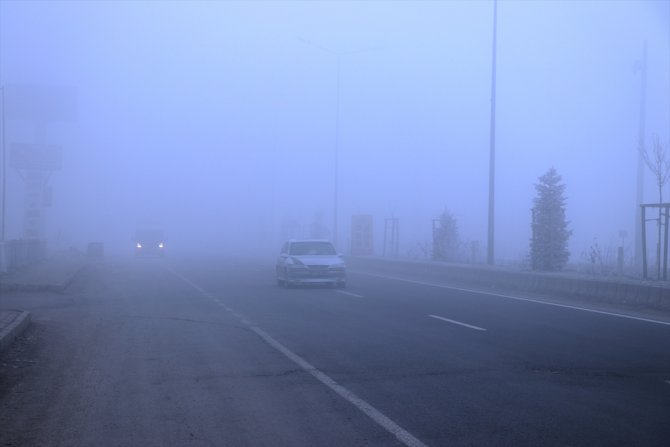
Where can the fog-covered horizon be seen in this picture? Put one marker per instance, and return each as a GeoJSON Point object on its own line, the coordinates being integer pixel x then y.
{"type": "Point", "coordinates": [216, 120]}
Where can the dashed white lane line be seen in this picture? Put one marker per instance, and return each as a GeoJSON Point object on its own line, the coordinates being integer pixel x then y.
{"type": "Point", "coordinates": [477, 328]}
{"type": "Point", "coordinates": [344, 292]}
{"type": "Point", "coordinates": [518, 298]}
{"type": "Point", "coordinates": [400, 433]}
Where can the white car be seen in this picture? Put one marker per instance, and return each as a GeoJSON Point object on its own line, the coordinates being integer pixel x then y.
{"type": "Point", "coordinates": [310, 262]}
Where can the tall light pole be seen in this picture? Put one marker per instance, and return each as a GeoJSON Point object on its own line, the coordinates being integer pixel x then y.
{"type": "Point", "coordinates": [3, 160]}
{"type": "Point", "coordinates": [338, 57]}
{"type": "Point", "coordinates": [490, 258]}
{"type": "Point", "coordinates": [336, 188]}
{"type": "Point", "coordinates": [3, 154]}
{"type": "Point", "coordinates": [639, 194]}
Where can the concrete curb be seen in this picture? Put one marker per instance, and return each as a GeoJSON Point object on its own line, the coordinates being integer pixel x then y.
{"type": "Point", "coordinates": [640, 295]}
{"type": "Point", "coordinates": [56, 288]}
{"type": "Point", "coordinates": [8, 334]}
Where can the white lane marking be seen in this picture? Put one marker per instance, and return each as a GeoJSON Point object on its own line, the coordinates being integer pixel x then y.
{"type": "Point", "coordinates": [668, 382]}
{"type": "Point", "coordinates": [477, 328]}
{"type": "Point", "coordinates": [403, 435]}
{"type": "Point", "coordinates": [500, 295]}
{"type": "Point", "coordinates": [344, 292]}
{"type": "Point", "coordinates": [400, 433]}
{"type": "Point", "coordinates": [186, 280]}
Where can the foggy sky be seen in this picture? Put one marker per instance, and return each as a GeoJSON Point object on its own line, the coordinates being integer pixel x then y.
{"type": "Point", "coordinates": [217, 120]}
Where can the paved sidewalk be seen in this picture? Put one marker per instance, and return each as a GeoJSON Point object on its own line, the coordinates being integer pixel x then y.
{"type": "Point", "coordinates": [51, 275]}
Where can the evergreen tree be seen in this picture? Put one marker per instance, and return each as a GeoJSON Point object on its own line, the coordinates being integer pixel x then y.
{"type": "Point", "coordinates": [550, 234]}
{"type": "Point", "coordinates": [445, 237]}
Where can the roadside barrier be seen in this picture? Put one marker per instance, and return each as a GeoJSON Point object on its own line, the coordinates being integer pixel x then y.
{"type": "Point", "coordinates": [610, 290]}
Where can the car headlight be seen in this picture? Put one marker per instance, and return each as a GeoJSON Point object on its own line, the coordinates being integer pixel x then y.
{"type": "Point", "coordinates": [138, 245]}
{"type": "Point", "coordinates": [160, 245]}
{"type": "Point", "coordinates": [339, 265]}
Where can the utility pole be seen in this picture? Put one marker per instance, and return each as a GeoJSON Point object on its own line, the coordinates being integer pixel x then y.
{"type": "Point", "coordinates": [639, 195]}
{"type": "Point", "coordinates": [490, 258]}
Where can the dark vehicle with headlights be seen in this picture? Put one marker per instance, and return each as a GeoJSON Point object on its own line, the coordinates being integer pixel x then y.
{"type": "Point", "coordinates": [310, 262]}
{"type": "Point", "coordinates": [149, 242]}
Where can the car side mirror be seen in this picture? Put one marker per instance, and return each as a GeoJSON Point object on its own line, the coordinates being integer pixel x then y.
{"type": "Point", "coordinates": [283, 255]}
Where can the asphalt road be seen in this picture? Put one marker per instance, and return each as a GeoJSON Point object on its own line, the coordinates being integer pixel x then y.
{"type": "Point", "coordinates": [213, 353]}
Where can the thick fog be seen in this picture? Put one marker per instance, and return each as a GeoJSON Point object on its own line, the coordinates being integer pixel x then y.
{"type": "Point", "coordinates": [218, 120]}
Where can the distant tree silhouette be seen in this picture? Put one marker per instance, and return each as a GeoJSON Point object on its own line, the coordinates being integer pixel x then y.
{"type": "Point", "coordinates": [550, 234]}
{"type": "Point", "coordinates": [445, 237]}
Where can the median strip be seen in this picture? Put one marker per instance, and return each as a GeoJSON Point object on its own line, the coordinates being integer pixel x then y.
{"type": "Point", "coordinates": [477, 328]}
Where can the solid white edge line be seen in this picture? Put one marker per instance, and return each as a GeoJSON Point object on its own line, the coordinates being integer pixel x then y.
{"type": "Point", "coordinates": [477, 328]}
{"type": "Point", "coordinates": [548, 303]}
{"type": "Point", "coordinates": [400, 433]}
{"type": "Point", "coordinates": [344, 292]}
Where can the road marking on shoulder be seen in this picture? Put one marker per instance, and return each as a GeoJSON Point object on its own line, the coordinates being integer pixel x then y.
{"type": "Point", "coordinates": [668, 382]}
{"type": "Point", "coordinates": [477, 328]}
{"type": "Point", "coordinates": [518, 298]}
{"type": "Point", "coordinates": [344, 292]}
{"type": "Point", "coordinates": [400, 433]}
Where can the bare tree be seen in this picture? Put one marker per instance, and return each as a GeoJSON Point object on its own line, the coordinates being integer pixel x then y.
{"type": "Point", "coordinates": [658, 163]}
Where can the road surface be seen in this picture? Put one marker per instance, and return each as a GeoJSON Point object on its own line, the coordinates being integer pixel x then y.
{"type": "Point", "coordinates": [208, 352]}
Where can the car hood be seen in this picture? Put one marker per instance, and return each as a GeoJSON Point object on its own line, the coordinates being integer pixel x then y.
{"type": "Point", "coordinates": [319, 259]}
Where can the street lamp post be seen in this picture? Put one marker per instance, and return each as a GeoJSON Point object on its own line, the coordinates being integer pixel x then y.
{"type": "Point", "coordinates": [639, 186]}
{"type": "Point", "coordinates": [3, 154]}
{"type": "Point", "coordinates": [337, 154]}
{"type": "Point", "coordinates": [338, 57]}
{"type": "Point", "coordinates": [490, 259]}
{"type": "Point", "coordinates": [3, 160]}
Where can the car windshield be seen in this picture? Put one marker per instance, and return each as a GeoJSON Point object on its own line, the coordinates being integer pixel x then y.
{"type": "Point", "coordinates": [312, 248]}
